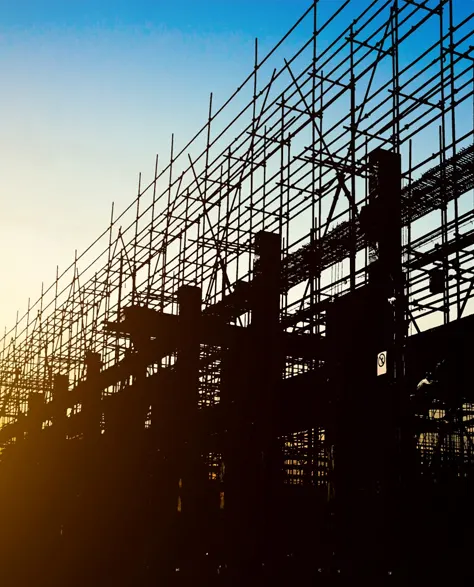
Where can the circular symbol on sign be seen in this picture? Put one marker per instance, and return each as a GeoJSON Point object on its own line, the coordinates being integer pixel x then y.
{"type": "Point", "coordinates": [381, 360]}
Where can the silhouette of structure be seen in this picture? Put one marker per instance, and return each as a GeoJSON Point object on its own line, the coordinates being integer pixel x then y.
{"type": "Point", "coordinates": [261, 370]}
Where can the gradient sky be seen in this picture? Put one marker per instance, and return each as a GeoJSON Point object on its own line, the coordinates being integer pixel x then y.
{"type": "Point", "coordinates": [91, 90]}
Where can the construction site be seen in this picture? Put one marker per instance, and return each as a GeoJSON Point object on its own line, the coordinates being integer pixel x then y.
{"type": "Point", "coordinates": [260, 372]}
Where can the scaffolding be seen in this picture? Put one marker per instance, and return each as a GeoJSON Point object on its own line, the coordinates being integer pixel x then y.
{"type": "Point", "coordinates": [288, 153]}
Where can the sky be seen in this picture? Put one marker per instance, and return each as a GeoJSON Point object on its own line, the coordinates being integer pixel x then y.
{"type": "Point", "coordinates": [91, 90]}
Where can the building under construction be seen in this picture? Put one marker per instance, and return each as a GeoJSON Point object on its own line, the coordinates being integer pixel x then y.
{"type": "Point", "coordinates": [260, 371]}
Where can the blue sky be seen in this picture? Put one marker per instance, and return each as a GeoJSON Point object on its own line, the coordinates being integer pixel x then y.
{"type": "Point", "coordinates": [91, 91]}
{"type": "Point", "coordinates": [204, 16]}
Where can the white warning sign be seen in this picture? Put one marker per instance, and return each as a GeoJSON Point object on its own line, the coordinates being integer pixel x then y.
{"type": "Point", "coordinates": [382, 363]}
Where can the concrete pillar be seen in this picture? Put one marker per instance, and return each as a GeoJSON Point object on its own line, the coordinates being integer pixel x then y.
{"type": "Point", "coordinates": [253, 461]}
{"type": "Point", "coordinates": [91, 403]}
